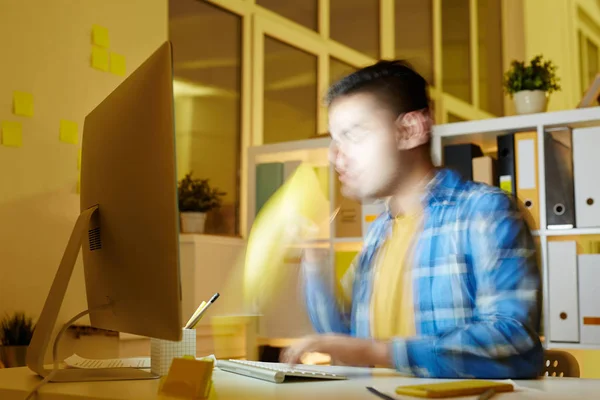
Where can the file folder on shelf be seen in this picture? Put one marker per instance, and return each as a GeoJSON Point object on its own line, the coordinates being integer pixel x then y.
{"type": "Point", "coordinates": [348, 221]}
{"type": "Point", "coordinates": [527, 176]}
{"type": "Point", "coordinates": [269, 177]}
{"type": "Point", "coordinates": [563, 288]}
{"type": "Point", "coordinates": [370, 211]}
{"type": "Point", "coordinates": [459, 158]}
{"type": "Point", "coordinates": [586, 166]}
{"type": "Point", "coordinates": [289, 167]}
{"type": "Point", "coordinates": [506, 163]}
{"type": "Point", "coordinates": [589, 306]}
{"type": "Point", "coordinates": [560, 196]}
{"type": "Point", "coordinates": [484, 170]}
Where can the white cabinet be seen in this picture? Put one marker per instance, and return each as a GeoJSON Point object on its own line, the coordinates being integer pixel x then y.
{"type": "Point", "coordinates": [586, 167]}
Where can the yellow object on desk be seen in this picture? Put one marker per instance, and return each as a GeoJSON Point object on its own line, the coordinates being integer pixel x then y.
{"type": "Point", "coordinates": [453, 389]}
{"type": "Point", "coordinates": [189, 379]}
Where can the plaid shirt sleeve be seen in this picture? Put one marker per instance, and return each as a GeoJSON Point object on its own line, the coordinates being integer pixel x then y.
{"type": "Point", "coordinates": [327, 312]}
{"type": "Point", "coordinates": [502, 341]}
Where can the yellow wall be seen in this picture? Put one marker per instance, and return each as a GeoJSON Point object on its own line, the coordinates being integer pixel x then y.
{"type": "Point", "coordinates": [46, 51]}
{"type": "Point", "coordinates": [551, 30]}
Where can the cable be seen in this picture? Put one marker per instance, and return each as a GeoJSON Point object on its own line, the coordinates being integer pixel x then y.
{"type": "Point", "coordinates": [55, 368]}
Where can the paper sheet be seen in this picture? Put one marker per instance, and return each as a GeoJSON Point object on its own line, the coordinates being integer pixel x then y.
{"type": "Point", "coordinates": [23, 104]}
{"type": "Point", "coordinates": [76, 361]}
{"type": "Point", "coordinates": [68, 132]}
{"type": "Point", "coordinates": [117, 64]}
{"type": "Point", "coordinates": [12, 134]}
{"type": "Point", "coordinates": [100, 36]}
{"type": "Point", "coordinates": [100, 58]}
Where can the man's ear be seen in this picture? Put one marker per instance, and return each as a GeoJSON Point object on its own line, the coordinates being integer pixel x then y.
{"type": "Point", "coordinates": [413, 129]}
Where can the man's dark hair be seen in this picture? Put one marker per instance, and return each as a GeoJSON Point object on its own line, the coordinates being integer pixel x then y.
{"type": "Point", "coordinates": [395, 83]}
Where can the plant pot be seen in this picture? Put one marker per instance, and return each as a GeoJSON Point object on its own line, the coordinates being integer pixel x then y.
{"type": "Point", "coordinates": [193, 222]}
{"type": "Point", "coordinates": [530, 101]}
{"type": "Point", "coordinates": [13, 356]}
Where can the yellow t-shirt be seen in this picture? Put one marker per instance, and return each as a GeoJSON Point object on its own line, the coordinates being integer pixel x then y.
{"type": "Point", "coordinates": [392, 306]}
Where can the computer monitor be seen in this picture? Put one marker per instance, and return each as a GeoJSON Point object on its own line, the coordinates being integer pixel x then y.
{"type": "Point", "coordinates": [128, 228]}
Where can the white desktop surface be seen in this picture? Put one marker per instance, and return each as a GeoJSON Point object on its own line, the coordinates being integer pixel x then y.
{"type": "Point", "coordinates": [15, 383]}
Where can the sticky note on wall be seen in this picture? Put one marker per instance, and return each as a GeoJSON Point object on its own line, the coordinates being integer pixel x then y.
{"type": "Point", "coordinates": [23, 104]}
{"type": "Point", "coordinates": [12, 134]}
{"type": "Point", "coordinates": [117, 64]}
{"type": "Point", "coordinates": [100, 36]}
{"type": "Point", "coordinates": [99, 58]}
{"type": "Point", "coordinates": [68, 132]}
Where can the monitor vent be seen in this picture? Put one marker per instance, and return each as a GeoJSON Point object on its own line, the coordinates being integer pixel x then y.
{"type": "Point", "coordinates": [94, 238]}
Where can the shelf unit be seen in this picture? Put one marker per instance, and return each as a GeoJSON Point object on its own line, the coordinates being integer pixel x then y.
{"type": "Point", "coordinates": [481, 132]}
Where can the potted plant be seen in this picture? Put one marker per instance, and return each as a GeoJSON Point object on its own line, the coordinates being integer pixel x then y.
{"type": "Point", "coordinates": [530, 85]}
{"type": "Point", "coordinates": [16, 332]}
{"type": "Point", "coordinates": [196, 198]}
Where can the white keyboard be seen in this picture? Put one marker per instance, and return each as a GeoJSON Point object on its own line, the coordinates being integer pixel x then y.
{"type": "Point", "coordinates": [272, 372]}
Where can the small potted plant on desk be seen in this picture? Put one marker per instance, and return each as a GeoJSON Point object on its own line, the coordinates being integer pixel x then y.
{"type": "Point", "coordinates": [530, 85]}
{"type": "Point", "coordinates": [16, 332]}
{"type": "Point", "coordinates": [196, 198]}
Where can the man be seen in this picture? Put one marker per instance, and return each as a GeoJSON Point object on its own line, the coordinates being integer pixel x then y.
{"type": "Point", "coordinates": [447, 283]}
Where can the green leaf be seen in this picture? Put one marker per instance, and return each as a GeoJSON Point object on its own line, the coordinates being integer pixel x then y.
{"type": "Point", "coordinates": [197, 195]}
{"type": "Point", "coordinates": [538, 75]}
{"type": "Point", "coordinates": [16, 330]}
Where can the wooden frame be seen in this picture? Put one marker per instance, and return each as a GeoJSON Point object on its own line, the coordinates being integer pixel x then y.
{"type": "Point", "coordinates": [592, 94]}
{"type": "Point", "coordinates": [258, 21]}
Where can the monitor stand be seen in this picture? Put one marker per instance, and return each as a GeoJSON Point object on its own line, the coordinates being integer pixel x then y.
{"type": "Point", "coordinates": [45, 326]}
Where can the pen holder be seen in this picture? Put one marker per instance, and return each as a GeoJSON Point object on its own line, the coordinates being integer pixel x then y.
{"type": "Point", "coordinates": [162, 352]}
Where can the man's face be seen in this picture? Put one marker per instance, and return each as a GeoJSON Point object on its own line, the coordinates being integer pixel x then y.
{"type": "Point", "coordinates": [364, 148]}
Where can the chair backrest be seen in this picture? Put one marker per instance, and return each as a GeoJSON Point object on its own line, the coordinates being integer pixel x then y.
{"type": "Point", "coordinates": [560, 363]}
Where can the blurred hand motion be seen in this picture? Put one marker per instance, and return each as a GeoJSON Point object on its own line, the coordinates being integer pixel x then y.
{"type": "Point", "coordinates": [294, 215]}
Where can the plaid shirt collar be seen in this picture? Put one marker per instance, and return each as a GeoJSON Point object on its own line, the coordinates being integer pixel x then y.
{"type": "Point", "coordinates": [436, 191]}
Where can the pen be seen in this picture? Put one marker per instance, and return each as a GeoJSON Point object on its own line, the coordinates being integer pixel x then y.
{"type": "Point", "coordinates": [194, 315]}
{"type": "Point", "coordinates": [487, 394]}
{"type": "Point", "coordinates": [199, 316]}
{"type": "Point", "coordinates": [379, 394]}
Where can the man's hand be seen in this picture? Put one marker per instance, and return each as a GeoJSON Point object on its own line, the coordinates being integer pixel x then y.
{"type": "Point", "coordinates": [344, 349]}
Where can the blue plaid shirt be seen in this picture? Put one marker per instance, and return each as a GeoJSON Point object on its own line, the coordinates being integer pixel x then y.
{"type": "Point", "coordinates": [476, 288]}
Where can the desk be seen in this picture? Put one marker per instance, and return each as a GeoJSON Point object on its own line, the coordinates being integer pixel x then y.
{"type": "Point", "coordinates": [16, 382]}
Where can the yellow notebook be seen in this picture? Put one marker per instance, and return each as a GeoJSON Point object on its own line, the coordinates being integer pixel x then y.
{"type": "Point", "coordinates": [453, 389]}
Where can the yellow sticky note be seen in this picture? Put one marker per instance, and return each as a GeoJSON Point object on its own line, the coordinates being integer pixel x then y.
{"type": "Point", "coordinates": [68, 132]}
{"type": "Point", "coordinates": [99, 58]}
{"type": "Point", "coordinates": [78, 189]}
{"type": "Point", "coordinates": [100, 36]}
{"type": "Point", "coordinates": [12, 134]}
{"type": "Point", "coordinates": [190, 379]}
{"type": "Point", "coordinates": [117, 64]}
{"type": "Point", "coordinates": [79, 159]}
{"type": "Point", "coordinates": [23, 104]}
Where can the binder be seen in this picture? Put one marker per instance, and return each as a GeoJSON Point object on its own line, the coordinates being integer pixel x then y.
{"type": "Point", "coordinates": [506, 163]}
{"type": "Point", "coordinates": [459, 158]}
{"type": "Point", "coordinates": [589, 306]}
{"type": "Point", "coordinates": [323, 177]}
{"type": "Point", "coordinates": [484, 170]}
{"type": "Point", "coordinates": [289, 167]}
{"type": "Point", "coordinates": [370, 211]}
{"type": "Point", "coordinates": [563, 289]}
{"type": "Point", "coordinates": [348, 221]}
{"type": "Point", "coordinates": [269, 177]}
{"type": "Point", "coordinates": [560, 195]}
{"type": "Point", "coordinates": [586, 167]}
{"type": "Point", "coordinates": [527, 176]}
